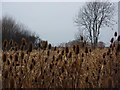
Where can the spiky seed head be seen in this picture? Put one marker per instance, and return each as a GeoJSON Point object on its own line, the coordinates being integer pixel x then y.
{"type": "Point", "coordinates": [23, 41]}
{"type": "Point", "coordinates": [74, 48]}
{"type": "Point", "coordinates": [49, 46]}
{"type": "Point", "coordinates": [58, 51]}
{"type": "Point", "coordinates": [11, 42]}
{"type": "Point", "coordinates": [4, 57]}
{"type": "Point", "coordinates": [48, 53]}
{"type": "Point", "coordinates": [70, 55]}
{"type": "Point", "coordinates": [104, 55]}
{"type": "Point", "coordinates": [30, 47]}
{"type": "Point", "coordinates": [8, 62]}
{"type": "Point", "coordinates": [77, 49]}
{"type": "Point", "coordinates": [115, 34]}
{"type": "Point", "coordinates": [21, 47]}
{"type": "Point", "coordinates": [44, 44]}
{"type": "Point", "coordinates": [86, 50]}
{"type": "Point", "coordinates": [16, 48]}
{"type": "Point", "coordinates": [66, 49]}
{"type": "Point", "coordinates": [82, 54]}
{"type": "Point", "coordinates": [16, 57]}
{"type": "Point", "coordinates": [55, 48]}
{"type": "Point", "coordinates": [112, 39]}
{"type": "Point", "coordinates": [39, 45]}
{"type": "Point", "coordinates": [110, 45]}
{"type": "Point", "coordinates": [15, 44]}
{"type": "Point", "coordinates": [11, 57]}
{"type": "Point", "coordinates": [5, 43]}
{"type": "Point", "coordinates": [22, 55]}
{"type": "Point", "coordinates": [81, 38]}
{"type": "Point", "coordinates": [118, 38]}
{"type": "Point", "coordinates": [62, 53]}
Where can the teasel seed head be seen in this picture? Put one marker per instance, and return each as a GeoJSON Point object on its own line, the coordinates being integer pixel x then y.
{"type": "Point", "coordinates": [77, 49]}
{"type": "Point", "coordinates": [112, 39]}
{"type": "Point", "coordinates": [30, 47]}
{"type": "Point", "coordinates": [4, 57]}
{"type": "Point", "coordinates": [66, 49]}
{"type": "Point", "coordinates": [115, 34]}
{"type": "Point", "coordinates": [49, 46]}
{"type": "Point", "coordinates": [23, 41]}
{"type": "Point", "coordinates": [118, 38]}
{"type": "Point", "coordinates": [11, 42]}
{"type": "Point", "coordinates": [5, 43]}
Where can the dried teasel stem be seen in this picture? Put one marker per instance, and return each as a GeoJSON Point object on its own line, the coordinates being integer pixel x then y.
{"type": "Point", "coordinates": [5, 43]}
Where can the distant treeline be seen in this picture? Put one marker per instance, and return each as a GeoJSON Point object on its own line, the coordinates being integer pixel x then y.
{"type": "Point", "coordinates": [16, 31]}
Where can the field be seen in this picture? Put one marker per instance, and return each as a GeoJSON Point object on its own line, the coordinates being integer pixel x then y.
{"type": "Point", "coordinates": [55, 67]}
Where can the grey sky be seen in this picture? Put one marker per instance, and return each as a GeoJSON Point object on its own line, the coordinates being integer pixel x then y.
{"type": "Point", "coordinates": [52, 21]}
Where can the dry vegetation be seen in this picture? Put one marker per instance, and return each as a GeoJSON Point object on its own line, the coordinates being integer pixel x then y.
{"type": "Point", "coordinates": [53, 67]}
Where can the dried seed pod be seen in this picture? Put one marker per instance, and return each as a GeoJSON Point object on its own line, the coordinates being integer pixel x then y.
{"type": "Point", "coordinates": [118, 38]}
{"type": "Point", "coordinates": [86, 50]}
{"type": "Point", "coordinates": [77, 49]}
{"type": "Point", "coordinates": [112, 39]}
{"type": "Point", "coordinates": [11, 57]}
{"type": "Point", "coordinates": [81, 38]}
{"type": "Point", "coordinates": [66, 49]}
{"type": "Point", "coordinates": [82, 54]}
{"type": "Point", "coordinates": [62, 52]}
{"type": "Point", "coordinates": [21, 47]}
{"type": "Point", "coordinates": [39, 45]}
{"type": "Point", "coordinates": [5, 44]}
{"type": "Point", "coordinates": [104, 55]}
{"type": "Point", "coordinates": [44, 44]}
{"type": "Point", "coordinates": [115, 34]}
{"type": "Point", "coordinates": [70, 55]}
{"type": "Point", "coordinates": [16, 57]}
{"type": "Point", "coordinates": [15, 44]}
{"type": "Point", "coordinates": [48, 53]}
{"type": "Point", "coordinates": [55, 48]}
{"type": "Point", "coordinates": [74, 48]}
{"type": "Point", "coordinates": [16, 48]}
{"type": "Point", "coordinates": [30, 47]}
{"type": "Point", "coordinates": [49, 46]}
{"type": "Point", "coordinates": [23, 41]}
{"type": "Point", "coordinates": [4, 57]}
{"type": "Point", "coordinates": [11, 42]}
{"type": "Point", "coordinates": [22, 55]}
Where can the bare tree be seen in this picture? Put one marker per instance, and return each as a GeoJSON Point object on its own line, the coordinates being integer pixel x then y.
{"type": "Point", "coordinates": [93, 16]}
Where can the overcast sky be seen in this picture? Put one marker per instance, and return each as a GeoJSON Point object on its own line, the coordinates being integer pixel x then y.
{"type": "Point", "coordinates": [52, 21]}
